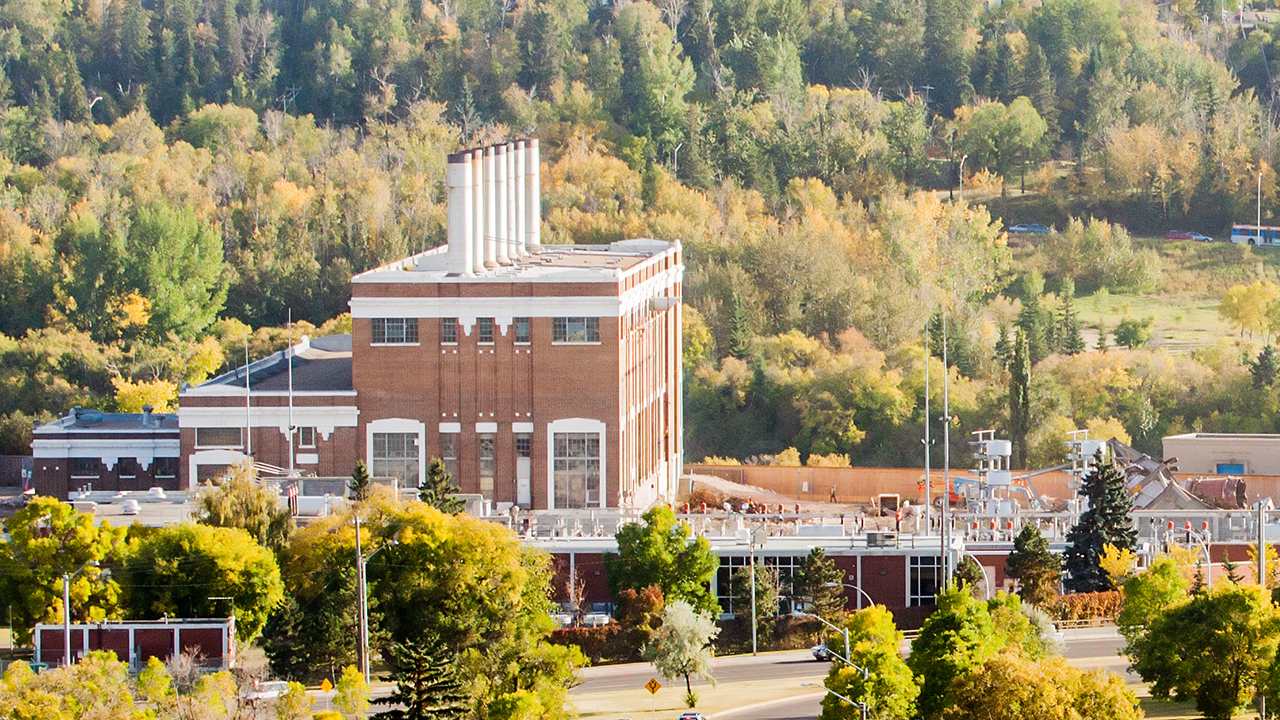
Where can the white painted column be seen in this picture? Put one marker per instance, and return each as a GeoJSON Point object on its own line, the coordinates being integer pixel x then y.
{"type": "Point", "coordinates": [457, 231]}
{"type": "Point", "coordinates": [512, 253]}
{"type": "Point", "coordinates": [500, 198]}
{"type": "Point", "coordinates": [490, 211]}
{"type": "Point", "coordinates": [477, 211]}
{"type": "Point", "coordinates": [522, 191]}
{"type": "Point", "coordinates": [533, 201]}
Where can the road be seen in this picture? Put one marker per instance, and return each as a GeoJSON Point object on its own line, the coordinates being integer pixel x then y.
{"type": "Point", "coordinates": [1089, 648]}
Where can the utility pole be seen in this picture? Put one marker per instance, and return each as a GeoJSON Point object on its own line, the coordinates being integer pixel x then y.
{"type": "Point", "coordinates": [928, 479]}
{"type": "Point", "coordinates": [362, 640]}
{"type": "Point", "coordinates": [752, 553]}
{"type": "Point", "coordinates": [946, 455]}
{"type": "Point", "coordinates": [66, 619]}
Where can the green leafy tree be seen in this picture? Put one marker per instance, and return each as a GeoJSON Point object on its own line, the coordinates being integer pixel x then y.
{"type": "Point", "coordinates": [818, 583]}
{"type": "Point", "coordinates": [1000, 137]}
{"type": "Point", "coordinates": [958, 637]}
{"type": "Point", "coordinates": [429, 685]}
{"type": "Point", "coordinates": [1019, 399]}
{"type": "Point", "coordinates": [438, 489]}
{"type": "Point", "coordinates": [655, 78]}
{"type": "Point", "coordinates": [293, 703]}
{"type": "Point", "coordinates": [681, 646]}
{"type": "Point", "coordinates": [1106, 521]}
{"type": "Point", "coordinates": [1134, 333]}
{"type": "Point", "coordinates": [175, 571]}
{"type": "Point", "coordinates": [740, 333]}
{"type": "Point", "coordinates": [313, 632]}
{"type": "Point", "coordinates": [1037, 570]}
{"type": "Point", "coordinates": [240, 501]}
{"type": "Point", "coordinates": [96, 687]}
{"type": "Point", "coordinates": [48, 539]}
{"type": "Point", "coordinates": [970, 575]}
{"type": "Point", "coordinates": [889, 688]}
{"type": "Point", "coordinates": [660, 551]}
{"type": "Point", "coordinates": [1067, 332]}
{"type": "Point", "coordinates": [176, 261]}
{"type": "Point", "coordinates": [1218, 648]}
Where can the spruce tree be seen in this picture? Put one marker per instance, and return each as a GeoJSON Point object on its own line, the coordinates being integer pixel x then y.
{"type": "Point", "coordinates": [1019, 399]}
{"type": "Point", "coordinates": [428, 684]}
{"type": "Point", "coordinates": [1107, 521]}
{"type": "Point", "coordinates": [1033, 319]}
{"type": "Point", "coordinates": [1037, 570]}
{"type": "Point", "coordinates": [438, 490]}
{"type": "Point", "coordinates": [1265, 369]}
{"type": "Point", "coordinates": [818, 581]}
{"type": "Point", "coordinates": [359, 485]}
{"type": "Point", "coordinates": [739, 328]}
{"type": "Point", "coordinates": [1068, 322]}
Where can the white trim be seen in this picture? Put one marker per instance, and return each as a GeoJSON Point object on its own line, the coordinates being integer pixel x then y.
{"type": "Point", "coordinates": [308, 458]}
{"type": "Point", "coordinates": [209, 457]}
{"type": "Point", "coordinates": [109, 451]}
{"type": "Point", "coordinates": [398, 425]}
{"type": "Point", "coordinates": [324, 418]}
{"type": "Point", "coordinates": [486, 427]}
{"type": "Point", "coordinates": [522, 427]}
{"type": "Point", "coordinates": [391, 344]}
{"type": "Point", "coordinates": [450, 427]}
{"type": "Point", "coordinates": [575, 425]}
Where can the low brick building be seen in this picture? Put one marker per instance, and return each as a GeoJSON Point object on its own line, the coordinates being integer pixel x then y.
{"type": "Point", "coordinates": [211, 642]}
{"type": "Point", "coordinates": [108, 452]}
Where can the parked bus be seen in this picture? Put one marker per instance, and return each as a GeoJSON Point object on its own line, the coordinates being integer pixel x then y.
{"type": "Point", "coordinates": [1255, 235]}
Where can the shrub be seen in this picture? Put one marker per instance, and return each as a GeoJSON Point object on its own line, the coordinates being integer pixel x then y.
{"type": "Point", "coordinates": [1086, 606]}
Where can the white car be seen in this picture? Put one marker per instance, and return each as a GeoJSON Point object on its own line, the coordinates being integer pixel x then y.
{"type": "Point", "coordinates": [266, 691]}
{"type": "Point", "coordinates": [130, 507]}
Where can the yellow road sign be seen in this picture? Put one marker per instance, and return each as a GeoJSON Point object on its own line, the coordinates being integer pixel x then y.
{"type": "Point", "coordinates": [653, 686]}
{"type": "Point", "coordinates": [326, 686]}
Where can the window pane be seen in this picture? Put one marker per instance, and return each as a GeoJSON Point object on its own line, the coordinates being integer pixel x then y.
{"type": "Point", "coordinates": [523, 332]}
{"type": "Point", "coordinates": [165, 467]}
{"type": "Point", "coordinates": [396, 455]}
{"type": "Point", "coordinates": [485, 326]}
{"type": "Point", "coordinates": [559, 329]}
{"type": "Point", "coordinates": [218, 437]}
{"type": "Point", "coordinates": [448, 330]}
{"type": "Point", "coordinates": [379, 330]}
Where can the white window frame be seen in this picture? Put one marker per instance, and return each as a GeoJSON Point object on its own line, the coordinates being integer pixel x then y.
{"type": "Point", "coordinates": [398, 425]}
{"type": "Point", "coordinates": [406, 323]}
{"type": "Point", "coordinates": [586, 321]}
{"type": "Point", "coordinates": [914, 597]}
{"type": "Point", "coordinates": [302, 431]}
{"type": "Point", "coordinates": [577, 425]}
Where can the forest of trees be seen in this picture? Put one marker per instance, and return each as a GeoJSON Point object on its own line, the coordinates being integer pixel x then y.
{"type": "Point", "coordinates": [180, 175]}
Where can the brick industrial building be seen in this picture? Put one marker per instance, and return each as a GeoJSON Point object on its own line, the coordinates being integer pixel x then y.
{"type": "Point", "coordinates": [543, 376]}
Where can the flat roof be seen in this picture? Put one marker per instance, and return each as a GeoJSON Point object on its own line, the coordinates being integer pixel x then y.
{"type": "Point", "coordinates": [554, 263]}
{"type": "Point", "coordinates": [89, 421]}
{"type": "Point", "coordinates": [1224, 436]}
{"type": "Point", "coordinates": [319, 365]}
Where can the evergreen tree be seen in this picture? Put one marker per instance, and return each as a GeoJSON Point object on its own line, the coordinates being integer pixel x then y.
{"type": "Point", "coordinates": [438, 490]}
{"type": "Point", "coordinates": [1019, 399]}
{"type": "Point", "coordinates": [359, 485]}
{"type": "Point", "coordinates": [1265, 368]}
{"type": "Point", "coordinates": [308, 638]}
{"type": "Point", "coordinates": [1004, 347]}
{"type": "Point", "coordinates": [739, 328]}
{"type": "Point", "coordinates": [1107, 521]}
{"type": "Point", "coordinates": [1033, 318]}
{"type": "Point", "coordinates": [1068, 326]}
{"type": "Point", "coordinates": [428, 684]}
{"type": "Point", "coordinates": [970, 575]}
{"type": "Point", "coordinates": [1037, 570]}
{"type": "Point", "coordinates": [814, 576]}
{"type": "Point", "coordinates": [1102, 345]}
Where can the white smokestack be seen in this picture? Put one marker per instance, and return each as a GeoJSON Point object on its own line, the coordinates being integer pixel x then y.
{"type": "Point", "coordinates": [490, 211]}
{"type": "Point", "coordinates": [476, 240]}
{"type": "Point", "coordinates": [500, 197]}
{"type": "Point", "coordinates": [533, 203]}
{"type": "Point", "coordinates": [522, 190]}
{"type": "Point", "coordinates": [512, 254]}
{"type": "Point", "coordinates": [458, 181]}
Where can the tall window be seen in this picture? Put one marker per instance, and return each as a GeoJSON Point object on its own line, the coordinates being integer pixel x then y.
{"type": "Point", "coordinates": [926, 573]}
{"type": "Point", "coordinates": [523, 331]}
{"type": "Point", "coordinates": [396, 455]}
{"type": "Point", "coordinates": [524, 445]}
{"type": "Point", "coordinates": [306, 437]}
{"type": "Point", "coordinates": [449, 454]}
{"type": "Point", "coordinates": [576, 463]}
{"type": "Point", "coordinates": [218, 437]}
{"type": "Point", "coordinates": [575, 330]}
{"type": "Point", "coordinates": [484, 330]}
{"type": "Point", "coordinates": [485, 442]}
{"type": "Point", "coordinates": [395, 331]}
{"type": "Point", "coordinates": [449, 330]}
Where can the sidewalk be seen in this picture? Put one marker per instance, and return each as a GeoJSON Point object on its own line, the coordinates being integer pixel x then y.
{"type": "Point", "coordinates": [668, 703]}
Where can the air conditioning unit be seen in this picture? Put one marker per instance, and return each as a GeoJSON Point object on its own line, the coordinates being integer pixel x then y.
{"type": "Point", "coordinates": [882, 539]}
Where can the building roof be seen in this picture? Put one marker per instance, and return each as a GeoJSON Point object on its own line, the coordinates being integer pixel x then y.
{"type": "Point", "coordinates": [81, 421]}
{"type": "Point", "coordinates": [1263, 437]}
{"type": "Point", "coordinates": [319, 366]}
{"type": "Point", "coordinates": [554, 263]}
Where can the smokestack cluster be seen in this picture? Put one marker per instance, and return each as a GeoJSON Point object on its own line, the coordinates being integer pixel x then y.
{"type": "Point", "coordinates": [495, 202]}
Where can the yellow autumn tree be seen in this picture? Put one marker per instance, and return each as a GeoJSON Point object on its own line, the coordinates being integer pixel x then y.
{"type": "Point", "coordinates": [132, 395]}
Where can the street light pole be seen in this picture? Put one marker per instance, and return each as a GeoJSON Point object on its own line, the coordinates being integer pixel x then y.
{"type": "Point", "coordinates": [966, 157]}
{"type": "Point", "coordinates": [362, 633]}
{"type": "Point", "coordinates": [1259, 207]}
{"type": "Point", "coordinates": [853, 587]}
{"type": "Point", "coordinates": [66, 610]}
{"type": "Point", "coordinates": [862, 707]}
